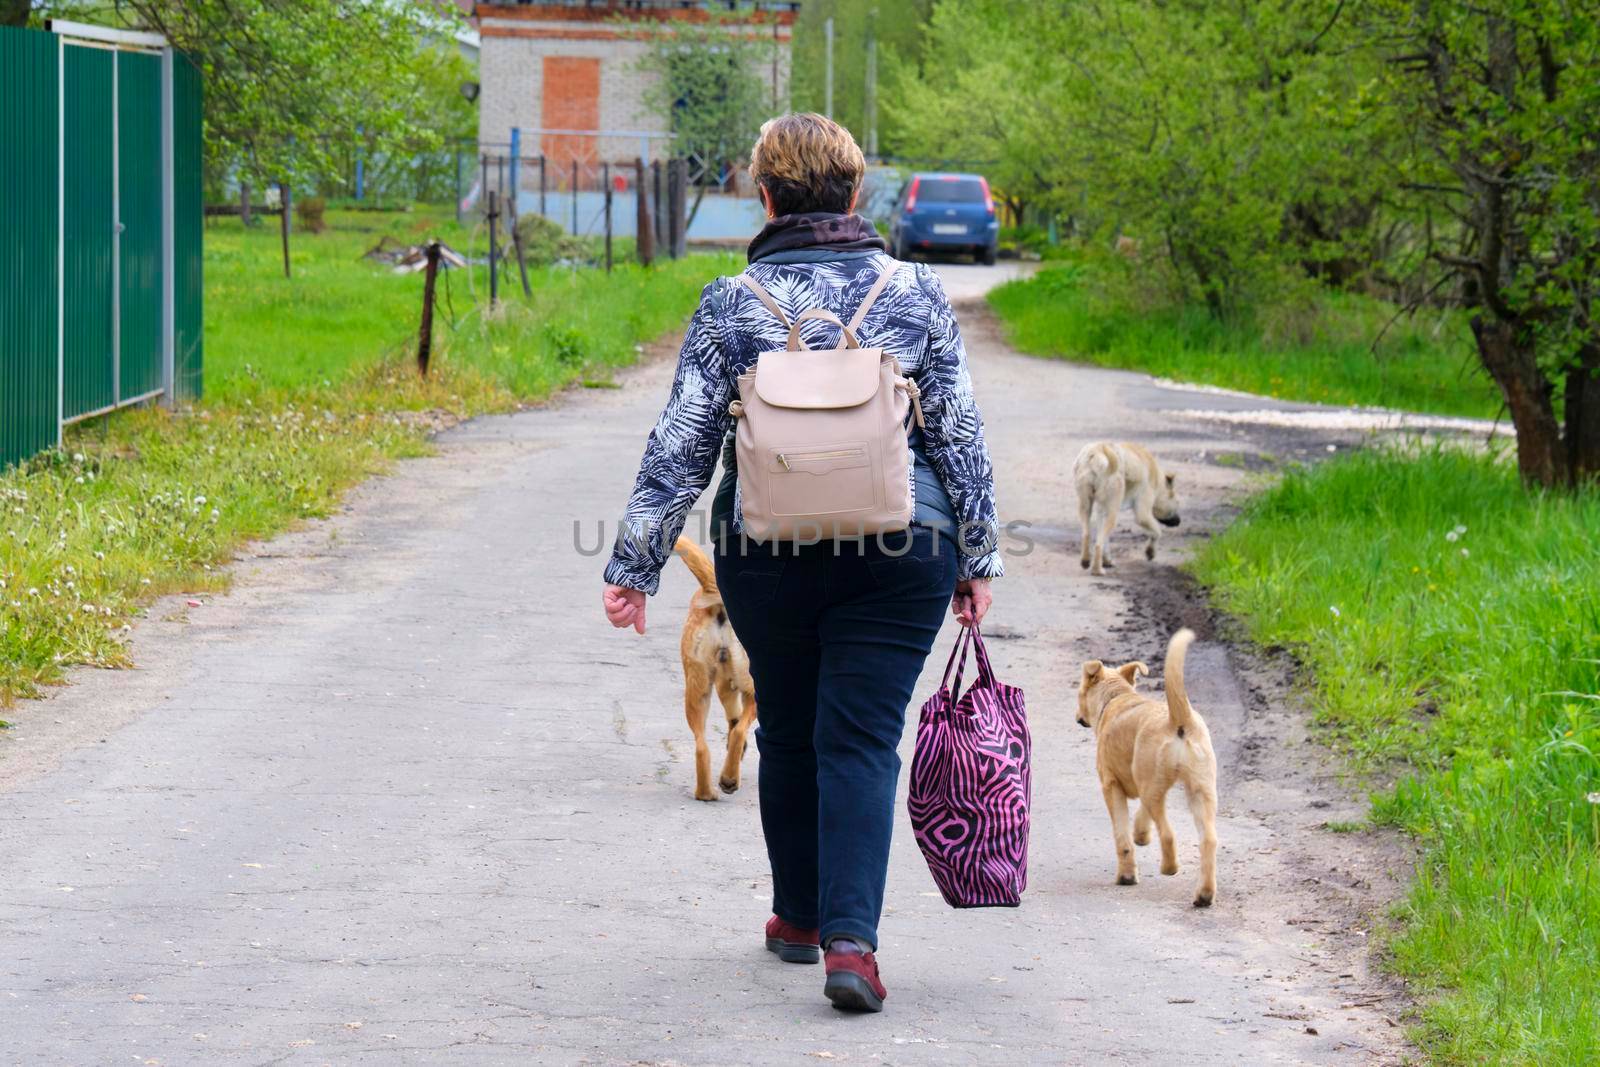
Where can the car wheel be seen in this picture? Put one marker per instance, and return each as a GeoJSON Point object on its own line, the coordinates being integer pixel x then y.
{"type": "Point", "coordinates": [987, 258]}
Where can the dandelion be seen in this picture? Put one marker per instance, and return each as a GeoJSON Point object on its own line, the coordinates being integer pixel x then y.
{"type": "Point", "coordinates": [1334, 608]}
{"type": "Point", "coordinates": [1465, 553]}
{"type": "Point", "coordinates": [1593, 798]}
{"type": "Point", "coordinates": [1452, 536]}
{"type": "Point", "coordinates": [77, 457]}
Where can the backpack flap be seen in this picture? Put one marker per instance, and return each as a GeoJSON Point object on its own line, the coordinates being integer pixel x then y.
{"type": "Point", "coordinates": [819, 377]}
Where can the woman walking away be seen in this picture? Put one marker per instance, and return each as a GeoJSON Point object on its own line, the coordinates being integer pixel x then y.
{"type": "Point", "coordinates": [836, 629]}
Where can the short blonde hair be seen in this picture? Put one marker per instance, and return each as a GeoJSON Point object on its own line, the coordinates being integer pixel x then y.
{"type": "Point", "coordinates": [807, 162]}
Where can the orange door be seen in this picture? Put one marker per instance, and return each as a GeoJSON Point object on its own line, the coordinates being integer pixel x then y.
{"type": "Point", "coordinates": [571, 102]}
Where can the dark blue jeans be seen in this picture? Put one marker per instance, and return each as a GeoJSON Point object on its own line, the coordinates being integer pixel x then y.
{"type": "Point", "coordinates": [836, 634]}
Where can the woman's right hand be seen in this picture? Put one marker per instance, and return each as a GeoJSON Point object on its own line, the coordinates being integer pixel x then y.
{"type": "Point", "coordinates": [971, 601]}
{"type": "Point", "coordinates": [624, 607]}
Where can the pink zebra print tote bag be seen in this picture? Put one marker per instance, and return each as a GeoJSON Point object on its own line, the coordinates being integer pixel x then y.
{"type": "Point", "coordinates": [971, 783]}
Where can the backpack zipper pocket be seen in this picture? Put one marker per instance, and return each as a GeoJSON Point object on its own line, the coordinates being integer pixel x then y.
{"type": "Point", "coordinates": [788, 459]}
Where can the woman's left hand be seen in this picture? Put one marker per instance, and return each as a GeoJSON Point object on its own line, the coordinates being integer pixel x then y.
{"type": "Point", "coordinates": [624, 607]}
{"type": "Point", "coordinates": [971, 601]}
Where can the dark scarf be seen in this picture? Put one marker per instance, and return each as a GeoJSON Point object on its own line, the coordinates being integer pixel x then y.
{"type": "Point", "coordinates": [816, 229]}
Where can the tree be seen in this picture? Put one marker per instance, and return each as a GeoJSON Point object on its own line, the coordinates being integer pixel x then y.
{"type": "Point", "coordinates": [711, 85]}
{"type": "Point", "coordinates": [1195, 127]}
{"type": "Point", "coordinates": [898, 26]}
{"type": "Point", "coordinates": [1504, 100]}
{"type": "Point", "coordinates": [287, 82]}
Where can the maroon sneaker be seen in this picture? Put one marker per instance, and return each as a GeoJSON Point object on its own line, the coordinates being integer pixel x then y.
{"type": "Point", "coordinates": [792, 944]}
{"type": "Point", "coordinates": [852, 982]}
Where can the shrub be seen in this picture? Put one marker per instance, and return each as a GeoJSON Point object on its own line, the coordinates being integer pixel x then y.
{"type": "Point", "coordinates": [309, 212]}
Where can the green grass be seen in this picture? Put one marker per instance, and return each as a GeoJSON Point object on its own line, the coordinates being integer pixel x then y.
{"type": "Point", "coordinates": [1449, 624]}
{"type": "Point", "coordinates": [310, 384]}
{"type": "Point", "coordinates": [1321, 350]}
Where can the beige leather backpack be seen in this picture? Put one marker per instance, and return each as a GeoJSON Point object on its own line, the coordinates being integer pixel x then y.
{"type": "Point", "coordinates": [821, 435]}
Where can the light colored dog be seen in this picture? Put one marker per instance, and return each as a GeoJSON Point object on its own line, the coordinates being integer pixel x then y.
{"type": "Point", "coordinates": [713, 661]}
{"type": "Point", "coordinates": [1106, 473]}
{"type": "Point", "coordinates": [1143, 748]}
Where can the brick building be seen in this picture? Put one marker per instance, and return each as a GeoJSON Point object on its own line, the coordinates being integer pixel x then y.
{"type": "Point", "coordinates": [572, 66]}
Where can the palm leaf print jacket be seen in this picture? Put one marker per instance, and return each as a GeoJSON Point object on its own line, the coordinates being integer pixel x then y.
{"type": "Point", "coordinates": [912, 319]}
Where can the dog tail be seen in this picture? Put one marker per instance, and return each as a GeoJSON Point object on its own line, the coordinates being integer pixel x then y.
{"type": "Point", "coordinates": [699, 564]}
{"type": "Point", "coordinates": [1178, 707]}
{"type": "Point", "coordinates": [1103, 459]}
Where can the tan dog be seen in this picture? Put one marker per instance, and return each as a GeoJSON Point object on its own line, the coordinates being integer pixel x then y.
{"type": "Point", "coordinates": [713, 661]}
{"type": "Point", "coordinates": [1144, 748]}
{"type": "Point", "coordinates": [1105, 474]}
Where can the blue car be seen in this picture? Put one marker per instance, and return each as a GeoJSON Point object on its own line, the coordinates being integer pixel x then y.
{"type": "Point", "coordinates": [945, 213]}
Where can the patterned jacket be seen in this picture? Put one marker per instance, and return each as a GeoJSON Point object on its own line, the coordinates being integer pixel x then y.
{"type": "Point", "coordinates": [912, 319]}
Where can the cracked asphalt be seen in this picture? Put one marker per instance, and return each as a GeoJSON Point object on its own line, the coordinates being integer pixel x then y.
{"type": "Point", "coordinates": [404, 797]}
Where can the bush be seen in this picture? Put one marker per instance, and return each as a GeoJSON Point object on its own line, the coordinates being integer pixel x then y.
{"type": "Point", "coordinates": [545, 242]}
{"type": "Point", "coordinates": [309, 211]}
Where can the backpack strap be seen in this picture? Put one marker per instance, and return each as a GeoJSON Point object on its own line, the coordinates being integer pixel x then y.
{"type": "Point", "coordinates": [764, 296]}
{"type": "Point", "coordinates": [872, 295]}
{"type": "Point", "coordinates": [855, 321]}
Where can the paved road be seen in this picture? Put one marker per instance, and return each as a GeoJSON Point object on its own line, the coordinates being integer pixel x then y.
{"type": "Point", "coordinates": [403, 797]}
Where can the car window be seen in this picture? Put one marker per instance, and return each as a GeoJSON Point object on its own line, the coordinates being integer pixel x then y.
{"type": "Point", "coordinates": [950, 191]}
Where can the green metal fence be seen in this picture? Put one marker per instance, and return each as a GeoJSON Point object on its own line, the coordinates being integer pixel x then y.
{"type": "Point", "coordinates": [100, 229]}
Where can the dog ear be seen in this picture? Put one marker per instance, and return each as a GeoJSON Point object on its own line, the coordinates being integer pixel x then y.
{"type": "Point", "coordinates": [1172, 479]}
{"type": "Point", "coordinates": [1092, 669]}
{"type": "Point", "coordinates": [1131, 671]}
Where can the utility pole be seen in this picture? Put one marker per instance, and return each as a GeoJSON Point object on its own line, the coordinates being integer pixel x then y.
{"type": "Point", "coordinates": [872, 83]}
{"type": "Point", "coordinates": [827, 90]}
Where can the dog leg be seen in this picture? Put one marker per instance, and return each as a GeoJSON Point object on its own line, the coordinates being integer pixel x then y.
{"type": "Point", "coordinates": [1157, 806]}
{"type": "Point", "coordinates": [1147, 519]}
{"type": "Point", "coordinates": [738, 729]}
{"type": "Point", "coordinates": [1203, 806]}
{"type": "Point", "coordinates": [696, 703]}
{"type": "Point", "coordinates": [1141, 825]}
{"type": "Point", "coordinates": [1117, 805]}
{"type": "Point", "coordinates": [1086, 519]}
{"type": "Point", "coordinates": [1112, 504]}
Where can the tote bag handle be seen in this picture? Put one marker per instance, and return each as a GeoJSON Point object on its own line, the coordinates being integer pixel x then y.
{"type": "Point", "coordinates": [970, 639]}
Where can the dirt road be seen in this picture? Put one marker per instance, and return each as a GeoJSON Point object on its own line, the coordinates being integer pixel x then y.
{"type": "Point", "coordinates": [403, 797]}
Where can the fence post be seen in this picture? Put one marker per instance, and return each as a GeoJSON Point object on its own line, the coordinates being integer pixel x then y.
{"type": "Point", "coordinates": [522, 263]}
{"type": "Point", "coordinates": [542, 210]}
{"type": "Point", "coordinates": [283, 203]}
{"type": "Point", "coordinates": [660, 213]}
{"type": "Point", "coordinates": [643, 228]}
{"type": "Point", "coordinates": [494, 257]}
{"type": "Point", "coordinates": [574, 191]}
{"type": "Point", "coordinates": [169, 237]}
{"type": "Point", "coordinates": [678, 185]}
{"type": "Point", "coordinates": [516, 168]}
{"type": "Point", "coordinates": [458, 185]}
{"type": "Point", "coordinates": [605, 176]}
{"type": "Point", "coordinates": [425, 336]}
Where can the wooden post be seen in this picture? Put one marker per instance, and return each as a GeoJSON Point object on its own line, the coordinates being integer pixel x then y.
{"type": "Point", "coordinates": [425, 336]}
{"type": "Point", "coordinates": [574, 196]}
{"type": "Point", "coordinates": [643, 228]}
{"type": "Point", "coordinates": [458, 184]}
{"type": "Point", "coordinates": [494, 253]}
{"type": "Point", "coordinates": [283, 203]}
{"type": "Point", "coordinates": [522, 263]}
{"type": "Point", "coordinates": [543, 213]}
{"type": "Point", "coordinates": [605, 177]}
{"type": "Point", "coordinates": [677, 187]}
{"type": "Point", "coordinates": [244, 204]}
{"type": "Point", "coordinates": [662, 245]}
